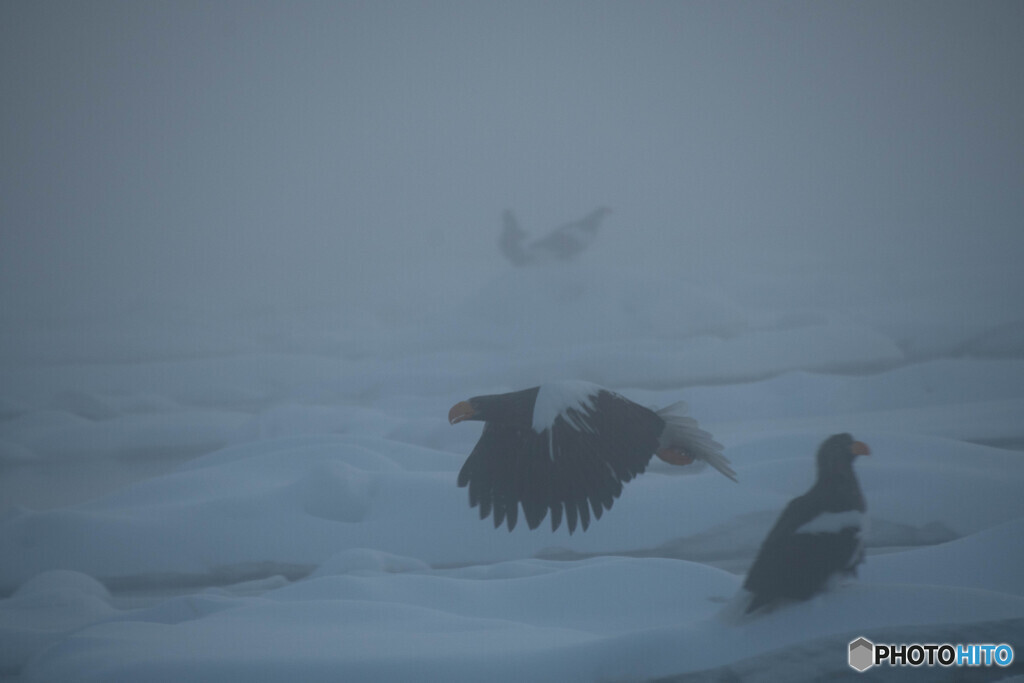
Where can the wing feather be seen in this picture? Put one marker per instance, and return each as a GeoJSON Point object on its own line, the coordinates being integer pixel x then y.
{"type": "Point", "coordinates": [577, 465]}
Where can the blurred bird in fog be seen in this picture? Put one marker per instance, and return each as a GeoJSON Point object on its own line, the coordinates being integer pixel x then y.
{"type": "Point", "coordinates": [561, 244]}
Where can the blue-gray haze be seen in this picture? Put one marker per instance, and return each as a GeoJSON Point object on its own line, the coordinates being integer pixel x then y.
{"type": "Point", "coordinates": [358, 154]}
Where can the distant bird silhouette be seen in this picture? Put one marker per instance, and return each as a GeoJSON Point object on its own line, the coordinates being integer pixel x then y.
{"type": "Point", "coordinates": [819, 534]}
{"type": "Point", "coordinates": [561, 244]}
{"type": "Point", "coordinates": [568, 447]}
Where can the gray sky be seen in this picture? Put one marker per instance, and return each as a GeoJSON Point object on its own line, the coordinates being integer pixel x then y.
{"type": "Point", "coordinates": [361, 153]}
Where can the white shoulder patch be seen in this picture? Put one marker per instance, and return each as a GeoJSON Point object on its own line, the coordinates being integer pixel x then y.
{"type": "Point", "coordinates": [832, 522]}
{"type": "Point", "coordinates": [556, 398]}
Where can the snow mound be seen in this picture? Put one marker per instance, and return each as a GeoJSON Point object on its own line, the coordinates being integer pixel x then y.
{"type": "Point", "coordinates": [1002, 547]}
{"type": "Point", "coordinates": [62, 581]}
{"type": "Point", "coordinates": [1004, 341]}
{"type": "Point", "coordinates": [364, 560]}
{"type": "Point", "coordinates": [45, 609]}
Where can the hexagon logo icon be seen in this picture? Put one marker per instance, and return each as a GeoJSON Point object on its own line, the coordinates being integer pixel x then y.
{"type": "Point", "coordinates": [862, 654]}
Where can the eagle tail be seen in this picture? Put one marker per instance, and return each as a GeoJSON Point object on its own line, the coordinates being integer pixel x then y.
{"type": "Point", "coordinates": [683, 432]}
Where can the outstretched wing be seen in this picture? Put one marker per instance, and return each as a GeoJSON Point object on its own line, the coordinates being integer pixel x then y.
{"type": "Point", "coordinates": [568, 240]}
{"type": "Point", "coordinates": [574, 468]}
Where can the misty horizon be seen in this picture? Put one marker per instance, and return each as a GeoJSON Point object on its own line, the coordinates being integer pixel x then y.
{"type": "Point", "coordinates": [359, 155]}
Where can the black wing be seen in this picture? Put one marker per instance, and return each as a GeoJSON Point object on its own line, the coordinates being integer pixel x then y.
{"type": "Point", "coordinates": [575, 468]}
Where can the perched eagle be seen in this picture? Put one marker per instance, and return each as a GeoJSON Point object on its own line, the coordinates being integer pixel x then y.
{"type": "Point", "coordinates": [567, 448]}
{"type": "Point", "coordinates": [819, 534]}
{"type": "Point", "coordinates": [561, 244]}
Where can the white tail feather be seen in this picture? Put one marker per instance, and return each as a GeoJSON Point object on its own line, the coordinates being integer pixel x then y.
{"type": "Point", "coordinates": [683, 431]}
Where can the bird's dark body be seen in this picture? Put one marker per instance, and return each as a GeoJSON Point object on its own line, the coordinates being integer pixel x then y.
{"type": "Point", "coordinates": [797, 565]}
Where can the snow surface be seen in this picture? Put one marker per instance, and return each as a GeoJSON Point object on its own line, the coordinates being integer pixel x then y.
{"type": "Point", "coordinates": [288, 514]}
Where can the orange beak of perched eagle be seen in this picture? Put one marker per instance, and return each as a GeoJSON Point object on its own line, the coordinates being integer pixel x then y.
{"type": "Point", "coordinates": [857, 447]}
